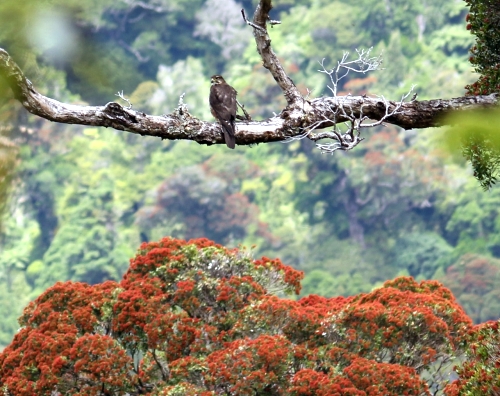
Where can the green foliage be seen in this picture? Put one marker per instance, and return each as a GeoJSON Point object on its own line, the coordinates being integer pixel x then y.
{"type": "Point", "coordinates": [475, 134]}
{"type": "Point", "coordinates": [16, 248]}
{"type": "Point", "coordinates": [475, 281]}
{"type": "Point", "coordinates": [484, 21]}
{"type": "Point", "coordinates": [14, 301]}
{"type": "Point", "coordinates": [8, 160]}
{"type": "Point", "coordinates": [185, 77]}
{"type": "Point", "coordinates": [323, 283]}
{"type": "Point", "coordinates": [422, 254]}
{"type": "Point", "coordinates": [103, 46]}
{"type": "Point", "coordinates": [482, 149]}
{"type": "Point", "coordinates": [472, 224]}
{"type": "Point", "coordinates": [89, 224]}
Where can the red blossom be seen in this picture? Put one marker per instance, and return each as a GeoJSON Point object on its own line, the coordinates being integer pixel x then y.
{"type": "Point", "coordinates": [195, 318]}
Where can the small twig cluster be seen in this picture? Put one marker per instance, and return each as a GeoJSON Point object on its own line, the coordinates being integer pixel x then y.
{"type": "Point", "coordinates": [122, 97]}
{"type": "Point", "coordinates": [348, 136]}
{"type": "Point", "coordinates": [182, 110]}
{"type": "Point", "coordinates": [363, 64]}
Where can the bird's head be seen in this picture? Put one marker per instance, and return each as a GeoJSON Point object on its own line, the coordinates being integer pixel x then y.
{"type": "Point", "coordinates": [217, 80]}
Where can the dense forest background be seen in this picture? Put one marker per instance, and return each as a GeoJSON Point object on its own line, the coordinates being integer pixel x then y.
{"type": "Point", "coordinates": [81, 200]}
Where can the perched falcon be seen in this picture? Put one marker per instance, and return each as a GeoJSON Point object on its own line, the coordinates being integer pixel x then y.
{"type": "Point", "coordinates": [223, 107]}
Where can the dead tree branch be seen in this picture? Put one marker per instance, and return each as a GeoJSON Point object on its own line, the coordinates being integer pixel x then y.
{"type": "Point", "coordinates": [269, 58]}
{"type": "Point", "coordinates": [302, 118]}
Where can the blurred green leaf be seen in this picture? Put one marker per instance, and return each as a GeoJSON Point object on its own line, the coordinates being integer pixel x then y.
{"type": "Point", "coordinates": [475, 135]}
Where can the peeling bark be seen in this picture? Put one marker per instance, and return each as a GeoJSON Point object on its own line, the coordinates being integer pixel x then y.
{"type": "Point", "coordinates": [301, 117]}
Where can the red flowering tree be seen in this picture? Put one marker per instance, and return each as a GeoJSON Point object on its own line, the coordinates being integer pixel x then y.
{"type": "Point", "coordinates": [479, 374]}
{"type": "Point", "coordinates": [194, 318]}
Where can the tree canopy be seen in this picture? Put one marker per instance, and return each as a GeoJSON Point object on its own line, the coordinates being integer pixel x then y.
{"type": "Point", "coordinates": [196, 318]}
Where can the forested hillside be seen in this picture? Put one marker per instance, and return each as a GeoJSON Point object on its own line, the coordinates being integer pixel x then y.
{"type": "Point", "coordinates": [81, 200]}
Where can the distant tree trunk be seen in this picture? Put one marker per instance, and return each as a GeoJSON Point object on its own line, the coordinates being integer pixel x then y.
{"type": "Point", "coordinates": [356, 230]}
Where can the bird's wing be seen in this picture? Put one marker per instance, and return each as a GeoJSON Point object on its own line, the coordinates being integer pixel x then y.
{"type": "Point", "coordinates": [223, 105]}
{"type": "Point", "coordinates": [223, 101]}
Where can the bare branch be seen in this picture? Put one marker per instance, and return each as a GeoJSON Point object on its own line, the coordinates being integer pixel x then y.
{"type": "Point", "coordinates": [133, 51]}
{"type": "Point", "coordinates": [145, 6]}
{"type": "Point", "coordinates": [351, 137]}
{"type": "Point", "coordinates": [242, 107]}
{"type": "Point", "coordinates": [269, 58]}
{"type": "Point", "coordinates": [363, 64]}
{"type": "Point", "coordinates": [165, 372]}
{"type": "Point", "coordinates": [273, 22]}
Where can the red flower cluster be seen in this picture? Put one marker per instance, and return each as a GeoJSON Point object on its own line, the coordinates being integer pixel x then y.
{"type": "Point", "coordinates": [195, 318]}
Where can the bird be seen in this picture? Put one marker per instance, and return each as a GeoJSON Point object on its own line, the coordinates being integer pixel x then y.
{"type": "Point", "coordinates": [223, 107]}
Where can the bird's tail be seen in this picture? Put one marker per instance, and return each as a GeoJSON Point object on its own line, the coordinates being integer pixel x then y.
{"type": "Point", "coordinates": [229, 138]}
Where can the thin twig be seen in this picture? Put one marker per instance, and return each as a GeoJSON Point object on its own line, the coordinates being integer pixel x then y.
{"type": "Point", "coordinates": [120, 95]}
{"type": "Point", "coordinates": [250, 23]}
{"type": "Point", "coordinates": [242, 107]}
